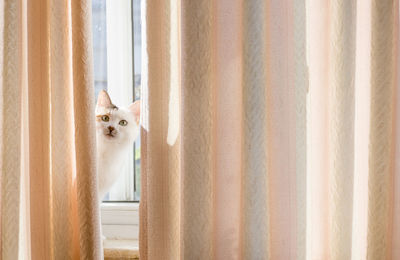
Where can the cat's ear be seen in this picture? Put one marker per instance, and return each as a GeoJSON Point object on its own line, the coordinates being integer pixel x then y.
{"type": "Point", "coordinates": [103, 100]}
{"type": "Point", "coordinates": [135, 109]}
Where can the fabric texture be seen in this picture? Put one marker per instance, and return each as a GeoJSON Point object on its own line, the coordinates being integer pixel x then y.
{"type": "Point", "coordinates": [49, 206]}
{"type": "Point", "coordinates": [270, 130]}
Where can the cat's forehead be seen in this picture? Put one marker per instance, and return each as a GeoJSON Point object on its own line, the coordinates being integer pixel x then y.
{"type": "Point", "coordinates": [100, 110]}
{"type": "Point", "coordinates": [114, 113]}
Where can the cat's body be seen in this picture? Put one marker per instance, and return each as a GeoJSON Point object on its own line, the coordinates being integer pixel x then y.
{"type": "Point", "coordinates": [116, 130]}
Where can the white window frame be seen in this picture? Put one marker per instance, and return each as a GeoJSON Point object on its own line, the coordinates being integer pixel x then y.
{"type": "Point", "coordinates": [120, 79]}
{"type": "Point", "coordinates": [120, 220]}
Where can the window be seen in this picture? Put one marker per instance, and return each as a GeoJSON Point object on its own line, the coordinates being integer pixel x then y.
{"type": "Point", "coordinates": [117, 50]}
{"type": "Point", "coordinates": [117, 68]}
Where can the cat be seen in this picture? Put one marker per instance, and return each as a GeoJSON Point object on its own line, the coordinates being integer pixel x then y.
{"type": "Point", "coordinates": [116, 130]}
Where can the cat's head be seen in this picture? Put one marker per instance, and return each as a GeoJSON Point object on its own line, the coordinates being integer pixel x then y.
{"type": "Point", "coordinates": [116, 124]}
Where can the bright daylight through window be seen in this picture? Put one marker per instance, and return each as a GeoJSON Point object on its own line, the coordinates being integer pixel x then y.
{"type": "Point", "coordinates": [117, 68]}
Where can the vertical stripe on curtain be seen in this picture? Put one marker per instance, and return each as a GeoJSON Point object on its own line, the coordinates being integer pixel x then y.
{"type": "Point", "coordinates": [254, 176]}
{"type": "Point", "coordinates": [271, 130]}
{"type": "Point", "coordinates": [228, 128]}
{"type": "Point", "coordinates": [396, 180]}
{"type": "Point", "coordinates": [10, 134]}
{"type": "Point", "coordinates": [198, 129]}
{"type": "Point", "coordinates": [380, 177]}
{"type": "Point", "coordinates": [49, 206]}
{"type": "Point", "coordinates": [341, 126]}
{"type": "Point", "coordinates": [85, 141]}
{"type": "Point", "coordinates": [361, 127]}
{"type": "Point", "coordinates": [317, 128]}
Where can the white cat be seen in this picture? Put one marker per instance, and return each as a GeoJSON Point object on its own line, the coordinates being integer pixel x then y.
{"type": "Point", "coordinates": [116, 130]}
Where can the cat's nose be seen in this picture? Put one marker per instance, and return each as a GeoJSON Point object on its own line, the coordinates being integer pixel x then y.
{"type": "Point", "coordinates": [111, 128]}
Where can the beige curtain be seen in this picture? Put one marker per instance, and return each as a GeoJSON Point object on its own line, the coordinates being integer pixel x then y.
{"type": "Point", "coordinates": [271, 130]}
{"type": "Point", "coordinates": [49, 207]}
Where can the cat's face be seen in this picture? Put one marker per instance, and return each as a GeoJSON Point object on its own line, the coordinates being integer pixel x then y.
{"type": "Point", "coordinates": [114, 124]}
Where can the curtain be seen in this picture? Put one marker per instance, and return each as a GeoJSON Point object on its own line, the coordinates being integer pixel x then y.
{"type": "Point", "coordinates": [49, 206]}
{"type": "Point", "coordinates": [271, 130]}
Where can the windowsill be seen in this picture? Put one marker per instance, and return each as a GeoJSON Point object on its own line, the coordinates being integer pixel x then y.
{"type": "Point", "coordinates": [120, 223]}
{"type": "Point", "coordinates": [120, 206]}
{"type": "Point", "coordinates": [121, 249]}
{"type": "Point", "coordinates": [120, 226]}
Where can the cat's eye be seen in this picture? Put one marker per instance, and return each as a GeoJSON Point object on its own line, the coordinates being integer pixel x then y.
{"type": "Point", "coordinates": [105, 118]}
{"type": "Point", "coordinates": [123, 122]}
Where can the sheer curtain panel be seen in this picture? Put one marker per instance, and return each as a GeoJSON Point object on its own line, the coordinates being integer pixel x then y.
{"type": "Point", "coordinates": [49, 206]}
{"type": "Point", "coordinates": [271, 130]}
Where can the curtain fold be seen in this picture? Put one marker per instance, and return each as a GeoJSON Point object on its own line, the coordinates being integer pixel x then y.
{"type": "Point", "coordinates": [341, 126]}
{"type": "Point", "coordinates": [49, 206]}
{"type": "Point", "coordinates": [10, 130]}
{"type": "Point", "coordinates": [270, 130]}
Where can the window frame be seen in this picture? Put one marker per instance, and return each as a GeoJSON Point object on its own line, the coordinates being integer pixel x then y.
{"type": "Point", "coordinates": [120, 220]}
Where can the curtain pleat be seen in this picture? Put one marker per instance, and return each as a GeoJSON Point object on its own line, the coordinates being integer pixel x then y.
{"type": "Point", "coordinates": [317, 236]}
{"type": "Point", "coordinates": [300, 82]}
{"type": "Point", "coordinates": [11, 98]}
{"type": "Point", "coordinates": [228, 93]}
{"type": "Point", "coordinates": [49, 206]}
{"type": "Point", "coordinates": [396, 134]}
{"type": "Point", "coordinates": [62, 162]}
{"type": "Point", "coordinates": [39, 129]}
{"type": "Point", "coordinates": [380, 150]}
{"type": "Point", "coordinates": [362, 129]}
{"type": "Point", "coordinates": [255, 197]}
{"type": "Point", "coordinates": [341, 126]}
{"type": "Point", "coordinates": [198, 117]}
{"type": "Point", "coordinates": [281, 128]}
{"type": "Point", "coordinates": [85, 140]}
{"type": "Point", "coordinates": [272, 130]}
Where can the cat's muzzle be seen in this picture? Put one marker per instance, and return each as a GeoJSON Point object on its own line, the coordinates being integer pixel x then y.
{"type": "Point", "coordinates": [110, 131]}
